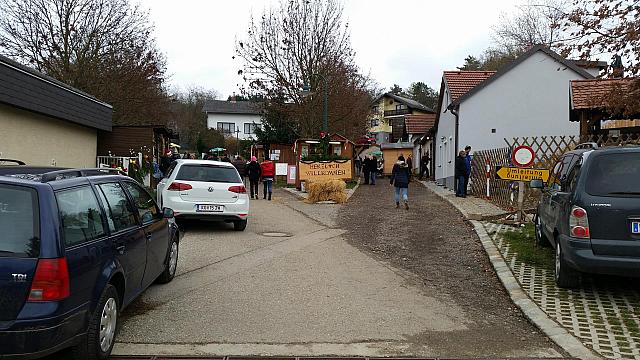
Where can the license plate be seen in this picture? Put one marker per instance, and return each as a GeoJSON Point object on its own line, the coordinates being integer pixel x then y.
{"type": "Point", "coordinates": [210, 208]}
{"type": "Point", "coordinates": [635, 227]}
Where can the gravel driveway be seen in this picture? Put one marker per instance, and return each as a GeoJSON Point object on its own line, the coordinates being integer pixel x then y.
{"type": "Point", "coordinates": [433, 242]}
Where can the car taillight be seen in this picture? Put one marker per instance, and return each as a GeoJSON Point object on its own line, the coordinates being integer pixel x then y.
{"type": "Point", "coordinates": [51, 280]}
{"type": "Point", "coordinates": [238, 189]}
{"type": "Point", "coordinates": [177, 186]}
{"type": "Point", "coordinates": [579, 223]}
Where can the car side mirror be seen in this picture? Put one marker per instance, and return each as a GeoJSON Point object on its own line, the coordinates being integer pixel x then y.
{"type": "Point", "coordinates": [536, 184]}
{"type": "Point", "coordinates": [167, 213]}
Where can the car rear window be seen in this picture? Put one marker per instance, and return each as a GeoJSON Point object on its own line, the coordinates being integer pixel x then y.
{"type": "Point", "coordinates": [19, 222]}
{"type": "Point", "coordinates": [208, 173]}
{"type": "Point", "coordinates": [614, 175]}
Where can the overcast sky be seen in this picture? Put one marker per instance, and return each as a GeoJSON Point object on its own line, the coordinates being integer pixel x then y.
{"type": "Point", "coordinates": [398, 41]}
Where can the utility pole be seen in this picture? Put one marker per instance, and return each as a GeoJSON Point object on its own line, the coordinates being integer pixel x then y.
{"type": "Point", "coordinates": [237, 141]}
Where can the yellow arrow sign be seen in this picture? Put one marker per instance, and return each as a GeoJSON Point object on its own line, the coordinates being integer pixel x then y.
{"type": "Point", "coordinates": [520, 174]}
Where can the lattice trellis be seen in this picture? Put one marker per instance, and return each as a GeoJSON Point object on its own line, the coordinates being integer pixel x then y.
{"type": "Point", "coordinates": [547, 149]}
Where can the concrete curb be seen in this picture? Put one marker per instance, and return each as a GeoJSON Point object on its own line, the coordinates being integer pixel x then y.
{"type": "Point", "coordinates": [553, 330]}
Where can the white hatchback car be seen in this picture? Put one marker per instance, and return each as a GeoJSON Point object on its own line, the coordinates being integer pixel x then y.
{"type": "Point", "coordinates": [205, 189]}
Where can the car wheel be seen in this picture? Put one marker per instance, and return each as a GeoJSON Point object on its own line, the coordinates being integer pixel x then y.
{"type": "Point", "coordinates": [239, 225]}
{"type": "Point", "coordinates": [101, 335]}
{"type": "Point", "coordinates": [172, 263]}
{"type": "Point", "coordinates": [541, 238]}
{"type": "Point", "coordinates": [565, 276]}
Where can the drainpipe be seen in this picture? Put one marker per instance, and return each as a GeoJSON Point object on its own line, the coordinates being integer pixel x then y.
{"type": "Point", "coordinates": [455, 111]}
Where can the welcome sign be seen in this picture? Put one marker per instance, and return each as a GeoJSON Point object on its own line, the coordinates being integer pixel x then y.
{"type": "Point", "coordinates": [325, 170]}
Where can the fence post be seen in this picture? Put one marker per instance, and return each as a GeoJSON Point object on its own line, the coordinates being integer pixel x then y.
{"type": "Point", "coordinates": [488, 179]}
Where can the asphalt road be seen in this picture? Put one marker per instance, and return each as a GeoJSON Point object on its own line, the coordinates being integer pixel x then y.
{"type": "Point", "coordinates": [308, 294]}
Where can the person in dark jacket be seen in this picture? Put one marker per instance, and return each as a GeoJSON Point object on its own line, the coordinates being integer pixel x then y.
{"type": "Point", "coordinates": [373, 165]}
{"type": "Point", "coordinates": [366, 169]}
{"type": "Point", "coordinates": [461, 173]}
{"type": "Point", "coordinates": [357, 164]}
{"type": "Point", "coordinates": [240, 165]}
{"type": "Point", "coordinates": [253, 171]}
{"type": "Point", "coordinates": [400, 177]}
{"type": "Point", "coordinates": [424, 166]}
{"type": "Point", "coordinates": [467, 160]}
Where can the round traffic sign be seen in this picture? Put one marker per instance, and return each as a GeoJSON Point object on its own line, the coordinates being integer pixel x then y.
{"type": "Point", "coordinates": [523, 156]}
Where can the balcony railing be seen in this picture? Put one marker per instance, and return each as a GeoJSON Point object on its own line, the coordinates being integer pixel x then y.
{"type": "Point", "coordinates": [397, 112]}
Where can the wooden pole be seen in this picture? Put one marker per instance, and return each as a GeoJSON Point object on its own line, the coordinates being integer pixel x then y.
{"type": "Point", "coordinates": [520, 216]}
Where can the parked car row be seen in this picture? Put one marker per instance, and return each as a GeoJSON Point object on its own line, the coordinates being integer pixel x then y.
{"type": "Point", "coordinates": [590, 213]}
{"type": "Point", "coordinates": [79, 245]}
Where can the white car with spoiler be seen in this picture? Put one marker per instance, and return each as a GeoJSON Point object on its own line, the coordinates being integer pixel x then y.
{"type": "Point", "coordinates": [205, 189]}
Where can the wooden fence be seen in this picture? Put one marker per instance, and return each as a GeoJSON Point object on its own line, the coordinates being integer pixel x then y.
{"type": "Point", "coordinates": [547, 149]}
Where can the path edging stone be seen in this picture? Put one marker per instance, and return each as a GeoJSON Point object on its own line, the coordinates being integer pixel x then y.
{"type": "Point", "coordinates": [531, 310]}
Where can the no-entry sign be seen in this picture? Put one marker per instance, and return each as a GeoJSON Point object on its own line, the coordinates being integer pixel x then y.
{"type": "Point", "coordinates": [523, 156]}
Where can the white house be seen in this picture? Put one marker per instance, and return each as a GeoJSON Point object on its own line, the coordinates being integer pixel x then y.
{"type": "Point", "coordinates": [234, 118]}
{"type": "Point", "coordinates": [528, 97]}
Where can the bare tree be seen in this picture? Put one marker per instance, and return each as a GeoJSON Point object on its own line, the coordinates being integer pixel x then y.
{"type": "Point", "coordinates": [603, 29]}
{"type": "Point", "coordinates": [305, 42]}
{"type": "Point", "coordinates": [103, 47]}
{"type": "Point", "coordinates": [536, 22]}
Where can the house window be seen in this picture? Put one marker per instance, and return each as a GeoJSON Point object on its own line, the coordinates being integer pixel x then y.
{"type": "Point", "coordinates": [250, 128]}
{"type": "Point", "coordinates": [226, 127]}
{"type": "Point", "coordinates": [399, 107]}
{"type": "Point", "coordinates": [375, 122]}
{"type": "Point", "coordinates": [493, 131]}
{"type": "Point", "coordinates": [337, 150]}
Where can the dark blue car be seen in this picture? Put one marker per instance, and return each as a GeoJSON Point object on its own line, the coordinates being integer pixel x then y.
{"type": "Point", "coordinates": [76, 247]}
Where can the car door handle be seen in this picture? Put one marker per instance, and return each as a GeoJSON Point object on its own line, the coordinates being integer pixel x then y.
{"type": "Point", "coordinates": [119, 248]}
{"type": "Point", "coordinates": [148, 236]}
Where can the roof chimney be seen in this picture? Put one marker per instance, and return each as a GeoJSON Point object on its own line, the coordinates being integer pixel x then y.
{"type": "Point", "coordinates": [616, 67]}
{"type": "Point", "coordinates": [233, 97]}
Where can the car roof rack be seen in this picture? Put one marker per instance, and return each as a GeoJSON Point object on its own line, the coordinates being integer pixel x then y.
{"type": "Point", "coordinates": [70, 173]}
{"type": "Point", "coordinates": [587, 145]}
{"type": "Point", "coordinates": [17, 162]}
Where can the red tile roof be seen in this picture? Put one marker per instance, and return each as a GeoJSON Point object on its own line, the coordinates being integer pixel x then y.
{"type": "Point", "coordinates": [419, 124]}
{"type": "Point", "coordinates": [460, 82]}
{"type": "Point", "coordinates": [590, 94]}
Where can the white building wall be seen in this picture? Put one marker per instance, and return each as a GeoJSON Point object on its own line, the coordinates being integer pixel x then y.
{"type": "Point", "coordinates": [445, 146]}
{"type": "Point", "coordinates": [530, 100]}
{"type": "Point", "coordinates": [238, 119]}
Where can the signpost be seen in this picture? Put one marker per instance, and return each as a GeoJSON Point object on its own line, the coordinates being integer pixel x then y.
{"type": "Point", "coordinates": [520, 174]}
{"type": "Point", "coordinates": [523, 157]}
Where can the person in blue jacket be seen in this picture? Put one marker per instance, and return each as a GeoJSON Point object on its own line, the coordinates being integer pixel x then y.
{"type": "Point", "coordinates": [467, 160]}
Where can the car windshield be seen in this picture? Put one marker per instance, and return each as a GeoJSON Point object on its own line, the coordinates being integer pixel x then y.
{"type": "Point", "coordinates": [614, 175]}
{"type": "Point", "coordinates": [19, 222]}
{"type": "Point", "coordinates": [208, 173]}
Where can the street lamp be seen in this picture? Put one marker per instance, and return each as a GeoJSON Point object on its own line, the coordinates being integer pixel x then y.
{"type": "Point", "coordinates": [325, 101]}
{"type": "Point", "coordinates": [237, 141]}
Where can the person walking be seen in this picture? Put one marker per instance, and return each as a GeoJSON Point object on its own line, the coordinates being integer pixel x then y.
{"type": "Point", "coordinates": [268, 172]}
{"type": "Point", "coordinates": [460, 173]}
{"type": "Point", "coordinates": [357, 163]}
{"type": "Point", "coordinates": [253, 171]}
{"type": "Point", "coordinates": [225, 158]}
{"type": "Point", "coordinates": [400, 177]}
{"type": "Point", "coordinates": [424, 166]}
{"type": "Point", "coordinates": [366, 169]}
{"type": "Point", "coordinates": [410, 164]}
{"type": "Point", "coordinates": [240, 165]}
{"type": "Point", "coordinates": [374, 169]}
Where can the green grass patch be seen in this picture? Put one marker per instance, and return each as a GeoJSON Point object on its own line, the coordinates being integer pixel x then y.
{"type": "Point", "coordinates": [351, 184]}
{"type": "Point", "coordinates": [523, 242]}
